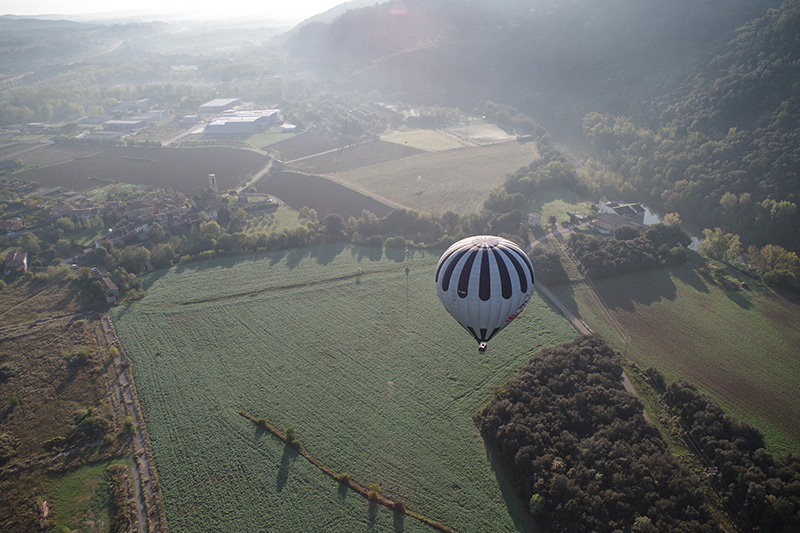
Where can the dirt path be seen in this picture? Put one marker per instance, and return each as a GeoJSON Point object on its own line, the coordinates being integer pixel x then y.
{"type": "Point", "coordinates": [148, 495]}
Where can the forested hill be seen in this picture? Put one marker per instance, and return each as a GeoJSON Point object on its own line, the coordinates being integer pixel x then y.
{"type": "Point", "coordinates": [551, 59]}
{"type": "Point", "coordinates": [690, 106]}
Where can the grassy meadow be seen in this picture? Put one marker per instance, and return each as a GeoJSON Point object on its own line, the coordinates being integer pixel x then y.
{"type": "Point", "coordinates": [353, 349]}
{"type": "Point", "coordinates": [453, 180]}
{"type": "Point", "coordinates": [426, 140]}
{"type": "Point", "coordinates": [739, 346]}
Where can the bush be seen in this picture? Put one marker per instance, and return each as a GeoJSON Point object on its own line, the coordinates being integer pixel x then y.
{"type": "Point", "coordinates": [374, 492]}
{"type": "Point", "coordinates": [342, 477]}
{"type": "Point", "coordinates": [77, 358]}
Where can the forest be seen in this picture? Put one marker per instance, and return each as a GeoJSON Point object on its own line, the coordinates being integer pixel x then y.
{"type": "Point", "coordinates": [581, 452]}
{"type": "Point", "coordinates": [583, 455]}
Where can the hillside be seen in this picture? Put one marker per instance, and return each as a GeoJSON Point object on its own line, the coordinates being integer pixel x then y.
{"type": "Point", "coordinates": [677, 104]}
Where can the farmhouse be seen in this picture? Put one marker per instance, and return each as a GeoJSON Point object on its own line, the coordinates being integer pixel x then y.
{"type": "Point", "coordinates": [607, 223]}
{"type": "Point", "coordinates": [16, 260]}
{"type": "Point", "coordinates": [633, 212]}
{"type": "Point", "coordinates": [534, 219]}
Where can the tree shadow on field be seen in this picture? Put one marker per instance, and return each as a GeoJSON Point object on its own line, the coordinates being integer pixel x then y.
{"type": "Point", "coordinates": [739, 299]}
{"type": "Point", "coordinates": [399, 522]}
{"type": "Point", "coordinates": [688, 276]}
{"type": "Point", "coordinates": [344, 490]}
{"type": "Point", "coordinates": [620, 295]}
{"type": "Point", "coordinates": [372, 517]}
{"type": "Point", "coordinates": [258, 433]}
{"type": "Point", "coordinates": [294, 257]}
{"type": "Point", "coordinates": [289, 457]}
{"type": "Point", "coordinates": [275, 257]}
{"type": "Point", "coordinates": [373, 253]}
{"type": "Point", "coordinates": [150, 279]}
{"type": "Point", "coordinates": [326, 254]}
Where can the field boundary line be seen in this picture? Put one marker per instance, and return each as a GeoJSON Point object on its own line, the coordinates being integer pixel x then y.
{"type": "Point", "coordinates": [373, 497]}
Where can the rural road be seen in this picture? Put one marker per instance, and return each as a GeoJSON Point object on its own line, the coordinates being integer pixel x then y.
{"type": "Point", "coordinates": [569, 315]}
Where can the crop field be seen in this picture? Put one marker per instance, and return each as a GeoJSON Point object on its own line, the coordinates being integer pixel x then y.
{"type": "Point", "coordinates": [739, 346]}
{"type": "Point", "coordinates": [453, 180]}
{"type": "Point", "coordinates": [425, 140]}
{"type": "Point", "coordinates": [183, 169]}
{"type": "Point", "coordinates": [323, 195]}
{"type": "Point", "coordinates": [304, 145]}
{"type": "Point", "coordinates": [480, 132]}
{"type": "Point", "coordinates": [353, 349]}
{"type": "Point", "coordinates": [356, 156]}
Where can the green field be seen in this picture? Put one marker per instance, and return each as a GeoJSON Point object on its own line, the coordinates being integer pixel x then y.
{"type": "Point", "coordinates": [355, 353]}
{"type": "Point", "coordinates": [558, 203]}
{"type": "Point", "coordinates": [453, 180]}
{"type": "Point", "coordinates": [739, 346]}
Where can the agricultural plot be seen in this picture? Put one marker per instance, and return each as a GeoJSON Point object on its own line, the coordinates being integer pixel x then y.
{"type": "Point", "coordinates": [480, 132]}
{"type": "Point", "coordinates": [304, 145]}
{"type": "Point", "coordinates": [739, 346]}
{"type": "Point", "coordinates": [323, 195]}
{"type": "Point", "coordinates": [354, 156]}
{"type": "Point", "coordinates": [183, 169]}
{"type": "Point", "coordinates": [355, 351]}
{"type": "Point", "coordinates": [425, 140]}
{"type": "Point", "coordinates": [452, 180]}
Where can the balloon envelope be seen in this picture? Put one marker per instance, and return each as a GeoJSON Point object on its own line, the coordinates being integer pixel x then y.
{"type": "Point", "coordinates": [484, 282]}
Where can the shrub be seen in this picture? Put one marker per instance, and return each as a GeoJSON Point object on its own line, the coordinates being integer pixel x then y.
{"type": "Point", "coordinates": [536, 505]}
{"type": "Point", "coordinates": [77, 358]}
{"type": "Point", "coordinates": [13, 401]}
{"type": "Point", "coordinates": [342, 477]}
{"type": "Point", "coordinates": [374, 492]}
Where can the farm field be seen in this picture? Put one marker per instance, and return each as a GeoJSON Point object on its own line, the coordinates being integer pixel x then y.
{"type": "Point", "coordinates": [303, 145]}
{"type": "Point", "coordinates": [453, 180]}
{"type": "Point", "coordinates": [355, 156]}
{"type": "Point", "coordinates": [357, 355]}
{"type": "Point", "coordinates": [741, 346]}
{"type": "Point", "coordinates": [425, 140]}
{"type": "Point", "coordinates": [183, 169]}
{"type": "Point", "coordinates": [323, 195]}
{"type": "Point", "coordinates": [480, 132]}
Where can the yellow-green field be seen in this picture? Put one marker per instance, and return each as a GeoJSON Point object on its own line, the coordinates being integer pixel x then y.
{"type": "Point", "coordinates": [353, 349]}
{"type": "Point", "coordinates": [480, 132]}
{"type": "Point", "coordinates": [453, 180]}
{"type": "Point", "coordinates": [427, 140]}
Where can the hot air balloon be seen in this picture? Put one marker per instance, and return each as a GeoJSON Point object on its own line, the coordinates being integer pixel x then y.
{"type": "Point", "coordinates": [484, 282]}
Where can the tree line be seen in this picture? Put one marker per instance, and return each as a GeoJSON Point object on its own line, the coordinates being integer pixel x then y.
{"type": "Point", "coordinates": [762, 489]}
{"type": "Point", "coordinates": [628, 250]}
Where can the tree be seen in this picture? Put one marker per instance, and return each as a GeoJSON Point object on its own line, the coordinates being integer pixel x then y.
{"type": "Point", "coordinates": [719, 245]}
{"type": "Point", "coordinates": [157, 233]}
{"type": "Point", "coordinates": [770, 258]}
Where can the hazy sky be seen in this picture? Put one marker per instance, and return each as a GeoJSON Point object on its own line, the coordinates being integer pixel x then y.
{"type": "Point", "coordinates": [279, 9]}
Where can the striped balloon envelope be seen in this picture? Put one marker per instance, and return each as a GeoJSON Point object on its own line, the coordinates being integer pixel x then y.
{"type": "Point", "coordinates": [484, 282]}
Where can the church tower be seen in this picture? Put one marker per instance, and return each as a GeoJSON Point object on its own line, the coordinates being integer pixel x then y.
{"type": "Point", "coordinates": [212, 183]}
